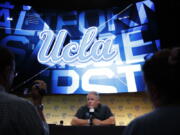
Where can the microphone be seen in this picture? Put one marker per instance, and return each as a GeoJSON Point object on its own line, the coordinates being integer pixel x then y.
{"type": "Point", "coordinates": [91, 114]}
{"type": "Point", "coordinates": [61, 122]}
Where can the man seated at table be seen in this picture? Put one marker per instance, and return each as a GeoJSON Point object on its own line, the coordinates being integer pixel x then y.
{"type": "Point", "coordinates": [94, 113]}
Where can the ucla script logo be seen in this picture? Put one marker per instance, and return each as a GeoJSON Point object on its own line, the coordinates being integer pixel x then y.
{"type": "Point", "coordinates": [89, 48]}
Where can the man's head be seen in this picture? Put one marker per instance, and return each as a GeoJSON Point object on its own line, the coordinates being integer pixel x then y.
{"type": "Point", "coordinates": [160, 73]}
{"type": "Point", "coordinates": [93, 99]}
{"type": "Point", "coordinates": [7, 67]}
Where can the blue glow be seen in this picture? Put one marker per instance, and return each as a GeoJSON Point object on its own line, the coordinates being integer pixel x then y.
{"type": "Point", "coordinates": [82, 22]}
{"type": "Point", "coordinates": [128, 21]}
{"type": "Point", "coordinates": [19, 30]}
{"type": "Point", "coordinates": [7, 5]}
{"type": "Point", "coordinates": [99, 88]}
{"type": "Point", "coordinates": [47, 37]}
{"type": "Point", "coordinates": [129, 71]}
{"type": "Point", "coordinates": [102, 20]}
{"type": "Point", "coordinates": [158, 44]}
{"type": "Point", "coordinates": [130, 58]}
{"type": "Point", "coordinates": [141, 10]}
{"type": "Point", "coordinates": [57, 74]}
{"type": "Point", "coordinates": [26, 7]}
{"type": "Point", "coordinates": [100, 50]}
{"type": "Point", "coordinates": [4, 13]}
{"type": "Point", "coordinates": [62, 22]}
{"type": "Point", "coordinates": [85, 51]}
{"type": "Point", "coordinates": [111, 18]}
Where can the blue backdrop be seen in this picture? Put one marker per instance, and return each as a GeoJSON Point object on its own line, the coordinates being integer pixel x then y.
{"type": "Point", "coordinates": [133, 31]}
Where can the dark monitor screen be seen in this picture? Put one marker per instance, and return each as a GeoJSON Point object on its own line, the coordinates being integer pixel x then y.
{"type": "Point", "coordinates": [77, 51]}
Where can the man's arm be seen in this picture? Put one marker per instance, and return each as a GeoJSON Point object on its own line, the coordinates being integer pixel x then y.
{"type": "Point", "coordinates": [79, 119]}
{"type": "Point", "coordinates": [109, 117]}
{"type": "Point", "coordinates": [79, 122]}
{"type": "Point", "coordinates": [108, 121]}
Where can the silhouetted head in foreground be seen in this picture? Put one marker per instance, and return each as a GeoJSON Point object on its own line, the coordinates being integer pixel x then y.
{"type": "Point", "coordinates": [161, 74]}
{"type": "Point", "coordinates": [7, 68]}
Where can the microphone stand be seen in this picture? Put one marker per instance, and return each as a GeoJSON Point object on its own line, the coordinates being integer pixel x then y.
{"type": "Point", "coordinates": [91, 114]}
{"type": "Point", "coordinates": [91, 120]}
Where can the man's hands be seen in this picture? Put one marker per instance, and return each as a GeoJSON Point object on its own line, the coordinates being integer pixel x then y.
{"type": "Point", "coordinates": [97, 122]}
{"type": "Point", "coordinates": [84, 122]}
{"type": "Point", "coordinates": [109, 121]}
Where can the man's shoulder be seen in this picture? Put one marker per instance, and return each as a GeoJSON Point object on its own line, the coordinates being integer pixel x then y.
{"type": "Point", "coordinates": [143, 120]}
{"type": "Point", "coordinates": [13, 99]}
{"type": "Point", "coordinates": [103, 106]}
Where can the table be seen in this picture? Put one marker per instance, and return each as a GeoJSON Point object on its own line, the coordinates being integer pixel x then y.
{"type": "Point", "coordinates": [85, 130]}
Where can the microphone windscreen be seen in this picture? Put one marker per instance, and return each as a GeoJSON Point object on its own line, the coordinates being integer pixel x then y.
{"type": "Point", "coordinates": [91, 110]}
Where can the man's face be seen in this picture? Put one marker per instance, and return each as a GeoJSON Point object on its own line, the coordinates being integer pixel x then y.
{"type": "Point", "coordinates": [92, 100]}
